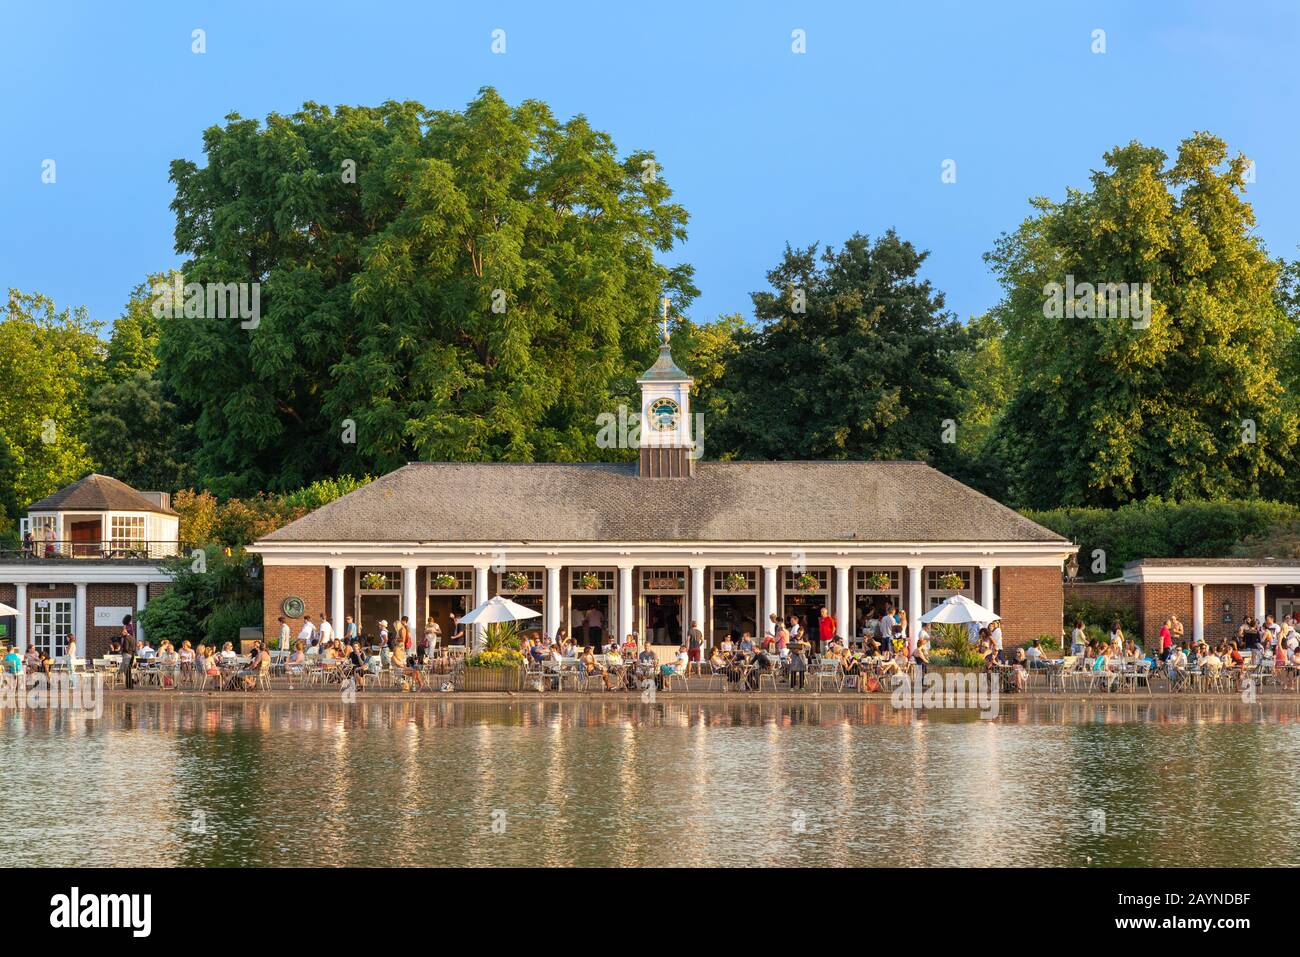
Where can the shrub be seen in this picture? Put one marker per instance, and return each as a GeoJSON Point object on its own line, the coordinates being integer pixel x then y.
{"type": "Point", "coordinates": [1100, 615]}
{"type": "Point", "coordinates": [953, 642]}
{"type": "Point", "coordinates": [1154, 528]}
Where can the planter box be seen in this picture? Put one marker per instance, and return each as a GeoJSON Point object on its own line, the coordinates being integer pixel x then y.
{"type": "Point", "coordinates": [490, 679]}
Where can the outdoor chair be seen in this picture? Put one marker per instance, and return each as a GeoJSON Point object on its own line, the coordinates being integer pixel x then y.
{"type": "Point", "coordinates": [671, 678]}
{"type": "Point", "coordinates": [825, 669]}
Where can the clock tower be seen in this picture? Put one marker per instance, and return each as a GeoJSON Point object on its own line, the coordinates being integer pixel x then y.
{"type": "Point", "coordinates": [667, 448]}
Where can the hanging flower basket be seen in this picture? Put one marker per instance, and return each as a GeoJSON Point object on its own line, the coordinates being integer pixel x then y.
{"type": "Point", "coordinates": [444, 581]}
{"type": "Point", "coordinates": [880, 581]}
{"type": "Point", "coordinates": [735, 582]}
{"type": "Point", "coordinates": [952, 581]}
{"type": "Point", "coordinates": [589, 581]}
{"type": "Point", "coordinates": [373, 581]}
{"type": "Point", "coordinates": [515, 581]}
{"type": "Point", "coordinates": [807, 582]}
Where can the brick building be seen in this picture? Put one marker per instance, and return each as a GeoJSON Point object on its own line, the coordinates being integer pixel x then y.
{"type": "Point", "coordinates": [647, 547]}
{"type": "Point", "coordinates": [1211, 596]}
{"type": "Point", "coordinates": [91, 555]}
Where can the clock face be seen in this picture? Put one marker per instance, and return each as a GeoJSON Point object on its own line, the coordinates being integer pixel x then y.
{"type": "Point", "coordinates": [664, 414]}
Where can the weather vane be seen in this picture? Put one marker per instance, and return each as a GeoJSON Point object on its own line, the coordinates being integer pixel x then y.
{"type": "Point", "coordinates": [665, 319]}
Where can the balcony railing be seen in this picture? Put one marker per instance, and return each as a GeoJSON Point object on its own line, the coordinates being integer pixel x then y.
{"type": "Point", "coordinates": [120, 550]}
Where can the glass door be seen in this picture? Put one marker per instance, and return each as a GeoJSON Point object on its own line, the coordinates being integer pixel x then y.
{"type": "Point", "coordinates": [51, 625]}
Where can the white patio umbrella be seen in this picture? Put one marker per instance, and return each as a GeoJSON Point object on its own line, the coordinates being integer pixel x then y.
{"type": "Point", "coordinates": [7, 610]}
{"type": "Point", "coordinates": [958, 610]}
{"type": "Point", "coordinates": [497, 609]}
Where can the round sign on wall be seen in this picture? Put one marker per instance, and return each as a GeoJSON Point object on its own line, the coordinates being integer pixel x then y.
{"type": "Point", "coordinates": [293, 607]}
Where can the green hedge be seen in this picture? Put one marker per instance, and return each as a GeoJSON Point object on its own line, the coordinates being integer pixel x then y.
{"type": "Point", "coordinates": [1158, 529]}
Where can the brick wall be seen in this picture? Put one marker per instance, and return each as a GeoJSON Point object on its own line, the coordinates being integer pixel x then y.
{"type": "Point", "coordinates": [1243, 603]}
{"type": "Point", "coordinates": [1113, 594]}
{"type": "Point", "coordinates": [281, 581]}
{"type": "Point", "coordinates": [96, 639]}
{"type": "Point", "coordinates": [1032, 600]}
{"type": "Point", "coordinates": [1157, 601]}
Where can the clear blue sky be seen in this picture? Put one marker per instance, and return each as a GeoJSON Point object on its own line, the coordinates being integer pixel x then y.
{"type": "Point", "coordinates": [761, 146]}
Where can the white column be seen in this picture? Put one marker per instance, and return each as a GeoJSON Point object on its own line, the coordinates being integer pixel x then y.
{"type": "Point", "coordinates": [552, 602]}
{"type": "Point", "coordinates": [697, 595]}
{"type": "Point", "coordinates": [20, 602]}
{"type": "Point", "coordinates": [79, 619]}
{"type": "Point", "coordinates": [408, 602]}
{"type": "Point", "coordinates": [624, 601]}
{"type": "Point", "coordinates": [843, 625]}
{"type": "Point", "coordinates": [1259, 603]}
{"type": "Point", "coordinates": [480, 596]}
{"type": "Point", "coordinates": [986, 587]}
{"type": "Point", "coordinates": [769, 595]}
{"type": "Point", "coordinates": [1198, 612]}
{"type": "Point", "coordinates": [141, 599]}
{"type": "Point", "coordinates": [914, 609]}
{"type": "Point", "coordinates": [336, 600]}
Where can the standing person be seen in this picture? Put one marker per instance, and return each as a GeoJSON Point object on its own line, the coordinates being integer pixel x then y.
{"type": "Point", "coordinates": [326, 630]}
{"type": "Point", "coordinates": [826, 628]}
{"type": "Point", "coordinates": [307, 631]}
{"type": "Point", "coordinates": [694, 642]}
{"type": "Point", "coordinates": [285, 634]}
{"type": "Point", "coordinates": [70, 657]}
{"type": "Point", "coordinates": [995, 635]}
{"type": "Point", "coordinates": [1176, 629]}
{"type": "Point", "coordinates": [408, 637]}
{"type": "Point", "coordinates": [128, 650]}
{"type": "Point", "coordinates": [1078, 639]}
{"type": "Point", "coordinates": [350, 629]}
{"type": "Point", "coordinates": [1166, 639]}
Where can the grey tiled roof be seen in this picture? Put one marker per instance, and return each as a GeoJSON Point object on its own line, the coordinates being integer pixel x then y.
{"type": "Point", "coordinates": [723, 501]}
{"type": "Point", "coordinates": [99, 493]}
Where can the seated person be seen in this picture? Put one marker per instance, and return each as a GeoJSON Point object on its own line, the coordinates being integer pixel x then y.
{"type": "Point", "coordinates": [1033, 655]}
{"type": "Point", "coordinates": [589, 664]}
{"type": "Point", "coordinates": [716, 661]}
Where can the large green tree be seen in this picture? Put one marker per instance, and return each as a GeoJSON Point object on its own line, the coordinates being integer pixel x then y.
{"type": "Point", "coordinates": [853, 356]}
{"type": "Point", "coordinates": [464, 285]}
{"type": "Point", "coordinates": [135, 431]}
{"type": "Point", "coordinates": [1108, 408]}
{"type": "Point", "coordinates": [50, 361]}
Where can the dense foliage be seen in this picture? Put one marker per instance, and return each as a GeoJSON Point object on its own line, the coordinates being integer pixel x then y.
{"type": "Point", "coordinates": [1161, 529]}
{"type": "Point", "coordinates": [472, 285]}
{"type": "Point", "coordinates": [1108, 410]}
{"type": "Point", "coordinates": [853, 357]}
{"type": "Point", "coordinates": [210, 599]}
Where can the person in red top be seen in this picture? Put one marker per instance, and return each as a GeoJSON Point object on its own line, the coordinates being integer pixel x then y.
{"type": "Point", "coordinates": [1166, 640]}
{"type": "Point", "coordinates": [826, 628]}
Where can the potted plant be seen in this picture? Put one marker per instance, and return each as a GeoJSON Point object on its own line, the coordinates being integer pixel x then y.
{"type": "Point", "coordinates": [589, 580]}
{"type": "Point", "coordinates": [806, 582]}
{"type": "Point", "coordinates": [498, 666]}
{"type": "Point", "coordinates": [444, 581]}
{"type": "Point", "coordinates": [952, 581]}
{"type": "Point", "coordinates": [736, 581]}
{"type": "Point", "coordinates": [371, 581]}
{"type": "Point", "coordinates": [880, 581]}
{"type": "Point", "coordinates": [514, 581]}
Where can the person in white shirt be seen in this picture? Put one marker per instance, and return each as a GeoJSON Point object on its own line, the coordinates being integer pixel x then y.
{"type": "Point", "coordinates": [285, 634]}
{"type": "Point", "coordinates": [145, 650]}
{"type": "Point", "coordinates": [995, 635]}
{"type": "Point", "coordinates": [326, 629]}
{"type": "Point", "coordinates": [307, 630]}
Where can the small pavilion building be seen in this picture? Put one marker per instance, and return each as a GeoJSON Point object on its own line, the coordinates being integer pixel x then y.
{"type": "Point", "coordinates": [91, 555]}
{"type": "Point", "coordinates": [647, 547]}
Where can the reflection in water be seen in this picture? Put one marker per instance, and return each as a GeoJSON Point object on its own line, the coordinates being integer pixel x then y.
{"type": "Point", "coordinates": [248, 782]}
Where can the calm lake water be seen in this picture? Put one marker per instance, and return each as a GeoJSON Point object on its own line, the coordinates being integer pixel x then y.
{"type": "Point", "coordinates": [556, 783]}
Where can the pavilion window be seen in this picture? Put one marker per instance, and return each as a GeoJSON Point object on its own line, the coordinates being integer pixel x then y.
{"type": "Point", "coordinates": [127, 530]}
{"type": "Point", "coordinates": [939, 584]}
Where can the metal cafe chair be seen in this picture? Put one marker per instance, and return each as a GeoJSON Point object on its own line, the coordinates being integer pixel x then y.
{"type": "Point", "coordinates": [826, 669]}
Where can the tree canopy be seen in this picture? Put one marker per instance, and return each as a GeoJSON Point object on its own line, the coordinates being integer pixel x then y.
{"type": "Point", "coordinates": [471, 285]}
{"type": "Point", "coordinates": [853, 356]}
{"type": "Point", "coordinates": [1186, 402]}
